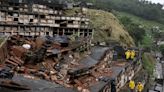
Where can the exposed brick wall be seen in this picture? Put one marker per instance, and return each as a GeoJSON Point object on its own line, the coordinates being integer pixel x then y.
{"type": "Point", "coordinates": [3, 51]}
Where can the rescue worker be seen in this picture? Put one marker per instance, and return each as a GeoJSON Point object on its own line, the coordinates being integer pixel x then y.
{"type": "Point", "coordinates": [133, 54]}
{"type": "Point", "coordinates": [132, 85]}
{"type": "Point", "coordinates": [127, 53]}
{"type": "Point", "coordinates": [140, 87]}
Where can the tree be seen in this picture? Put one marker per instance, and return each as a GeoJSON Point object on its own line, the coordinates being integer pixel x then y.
{"type": "Point", "coordinates": [162, 49]}
{"type": "Point", "coordinates": [141, 8]}
{"type": "Point", "coordinates": [125, 20]}
{"type": "Point", "coordinates": [135, 30]}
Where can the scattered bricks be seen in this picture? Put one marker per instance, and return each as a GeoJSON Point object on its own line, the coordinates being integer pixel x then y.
{"type": "Point", "coordinates": [25, 70]}
{"type": "Point", "coordinates": [18, 51]}
{"type": "Point", "coordinates": [44, 75]}
{"type": "Point", "coordinates": [53, 77]}
{"type": "Point", "coordinates": [78, 83]}
{"type": "Point", "coordinates": [82, 78]}
{"type": "Point", "coordinates": [49, 64]}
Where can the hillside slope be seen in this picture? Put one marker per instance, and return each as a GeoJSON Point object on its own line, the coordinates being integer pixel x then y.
{"type": "Point", "coordinates": [148, 24]}
{"type": "Point", "coordinates": [107, 27]}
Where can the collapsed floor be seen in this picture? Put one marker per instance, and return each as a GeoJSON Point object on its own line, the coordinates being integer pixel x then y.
{"type": "Point", "coordinates": [75, 66]}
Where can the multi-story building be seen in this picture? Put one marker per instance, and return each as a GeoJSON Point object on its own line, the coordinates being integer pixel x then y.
{"type": "Point", "coordinates": [39, 17]}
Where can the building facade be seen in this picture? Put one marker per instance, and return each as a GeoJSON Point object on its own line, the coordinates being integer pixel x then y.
{"type": "Point", "coordinates": [34, 18]}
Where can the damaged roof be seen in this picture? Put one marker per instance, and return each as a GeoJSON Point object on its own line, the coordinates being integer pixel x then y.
{"type": "Point", "coordinates": [37, 85]}
{"type": "Point", "coordinates": [116, 71]}
{"type": "Point", "coordinates": [98, 52]}
{"type": "Point", "coordinates": [90, 61]}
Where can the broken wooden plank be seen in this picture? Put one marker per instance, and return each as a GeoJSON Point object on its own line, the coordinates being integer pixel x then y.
{"type": "Point", "coordinates": [22, 62]}
{"type": "Point", "coordinates": [10, 62]}
{"type": "Point", "coordinates": [14, 60]}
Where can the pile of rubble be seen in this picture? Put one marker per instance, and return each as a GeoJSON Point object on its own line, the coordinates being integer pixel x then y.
{"type": "Point", "coordinates": [59, 61]}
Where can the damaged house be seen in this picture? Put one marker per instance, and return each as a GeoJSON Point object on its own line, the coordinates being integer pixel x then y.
{"type": "Point", "coordinates": [64, 67]}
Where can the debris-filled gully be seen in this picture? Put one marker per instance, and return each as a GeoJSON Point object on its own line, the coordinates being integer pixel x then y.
{"type": "Point", "coordinates": [74, 67]}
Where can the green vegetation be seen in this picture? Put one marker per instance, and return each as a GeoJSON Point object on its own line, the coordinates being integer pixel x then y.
{"type": "Point", "coordinates": [162, 49]}
{"type": "Point", "coordinates": [148, 63]}
{"type": "Point", "coordinates": [141, 8]}
{"type": "Point", "coordinates": [107, 27]}
{"type": "Point", "coordinates": [147, 42]}
{"type": "Point", "coordinates": [147, 24]}
{"type": "Point", "coordinates": [151, 32]}
{"type": "Point", "coordinates": [138, 17]}
{"type": "Point", "coordinates": [134, 29]}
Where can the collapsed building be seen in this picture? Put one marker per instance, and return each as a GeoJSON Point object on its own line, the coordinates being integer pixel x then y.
{"type": "Point", "coordinates": [46, 47]}
{"type": "Point", "coordinates": [67, 67]}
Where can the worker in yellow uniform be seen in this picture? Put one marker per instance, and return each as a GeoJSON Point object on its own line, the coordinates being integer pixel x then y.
{"type": "Point", "coordinates": [127, 53]}
{"type": "Point", "coordinates": [133, 54]}
{"type": "Point", "coordinates": [132, 85]}
{"type": "Point", "coordinates": [140, 87]}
